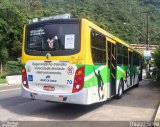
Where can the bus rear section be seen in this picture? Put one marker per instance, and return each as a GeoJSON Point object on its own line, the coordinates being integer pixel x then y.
{"type": "Point", "coordinates": [51, 57]}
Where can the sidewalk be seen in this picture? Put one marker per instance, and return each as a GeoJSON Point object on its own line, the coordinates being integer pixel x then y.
{"type": "Point", "coordinates": [157, 117]}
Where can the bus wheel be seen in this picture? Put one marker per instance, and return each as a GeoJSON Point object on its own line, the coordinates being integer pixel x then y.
{"type": "Point", "coordinates": [136, 85]}
{"type": "Point", "coordinates": [120, 89]}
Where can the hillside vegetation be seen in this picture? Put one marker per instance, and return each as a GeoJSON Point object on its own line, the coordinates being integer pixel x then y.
{"type": "Point", "coordinates": [123, 18]}
{"type": "Point", "coordinates": [120, 17]}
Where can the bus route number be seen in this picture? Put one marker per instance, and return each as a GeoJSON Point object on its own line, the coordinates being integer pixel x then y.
{"type": "Point", "coordinates": [69, 82]}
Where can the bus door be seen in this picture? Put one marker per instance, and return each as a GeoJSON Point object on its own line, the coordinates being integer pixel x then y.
{"type": "Point", "coordinates": [112, 67]}
{"type": "Point", "coordinates": [130, 67]}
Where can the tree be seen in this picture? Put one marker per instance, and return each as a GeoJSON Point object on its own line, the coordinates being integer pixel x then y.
{"type": "Point", "coordinates": [11, 22]}
{"type": "Point", "coordinates": [157, 61]}
{"type": "Point", "coordinates": [35, 9]}
{"type": "Point", "coordinates": [3, 57]}
{"type": "Point", "coordinates": [157, 57]}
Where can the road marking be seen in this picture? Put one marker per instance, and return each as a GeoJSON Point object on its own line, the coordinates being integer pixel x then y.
{"type": "Point", "coordinates": [9, 90]}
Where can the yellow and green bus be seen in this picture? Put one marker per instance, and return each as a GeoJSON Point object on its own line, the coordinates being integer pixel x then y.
{"type": "Point", "coordinates": [75, 61]}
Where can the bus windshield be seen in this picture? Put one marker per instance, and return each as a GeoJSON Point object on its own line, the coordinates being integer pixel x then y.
{"type": "Point", "coordinates": [53, 38]}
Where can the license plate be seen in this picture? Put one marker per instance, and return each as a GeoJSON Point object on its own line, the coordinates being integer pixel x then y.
{"type": "Point", "coordinates": [48, 88]}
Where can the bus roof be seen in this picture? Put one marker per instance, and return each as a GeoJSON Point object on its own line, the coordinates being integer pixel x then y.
{"type": "Point", "coordinates": [55, 21]}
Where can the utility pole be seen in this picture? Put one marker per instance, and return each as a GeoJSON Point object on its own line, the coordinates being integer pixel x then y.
{"type": "Point", "coordinates": [147, 39]}
{"type": "Point", "coordinates": [147, 45]}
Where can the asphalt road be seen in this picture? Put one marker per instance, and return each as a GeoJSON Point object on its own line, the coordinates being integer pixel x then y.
{"type": "Point", "coordinates": [137, 104]}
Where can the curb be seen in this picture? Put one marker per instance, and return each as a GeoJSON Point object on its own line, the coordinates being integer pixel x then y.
{"type": "Point", "coordinates": [157, 117]}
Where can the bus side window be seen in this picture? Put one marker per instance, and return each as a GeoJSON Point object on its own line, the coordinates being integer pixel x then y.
{"type": "Point", "coordinates": [109, 54]}
{"type": "Point", "coordinates": [134, 59]}
{"type": "Point", "coordinates": [125, 56]}
{"type": "Point", "coordinates": [98, 47]}
{"type": "Point", "coordinates": [119, 54]}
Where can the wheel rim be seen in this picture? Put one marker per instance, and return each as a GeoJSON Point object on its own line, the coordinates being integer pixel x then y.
{"type": "Point", "coordinates": [120, 90]}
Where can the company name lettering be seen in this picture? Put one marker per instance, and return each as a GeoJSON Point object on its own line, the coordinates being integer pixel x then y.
{"type": "Point", "coordinates": [48, 80]}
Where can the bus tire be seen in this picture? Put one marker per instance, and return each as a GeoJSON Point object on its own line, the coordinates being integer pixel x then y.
{"type": "Point", "coordinates": [120, 90]}
{"type": "Point", "coordinates": [136, 85]}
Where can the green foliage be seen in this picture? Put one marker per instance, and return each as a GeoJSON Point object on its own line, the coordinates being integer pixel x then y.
{"type": "Point", "coordinates": [11, 22]}
{"type": "Point", "coordinates": [111, 15]}
{"type": "Point", "coordinates": [13, 67]}
{"type": "Point", "coordinates": [157, 57]}
{"type": "Point", "coordinates": [108, 14]}
{"type": "Point", "coordinates": [2, 81]}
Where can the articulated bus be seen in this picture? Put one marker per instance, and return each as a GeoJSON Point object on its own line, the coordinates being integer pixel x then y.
{"type": "Point", "coordinates": [75, 61]}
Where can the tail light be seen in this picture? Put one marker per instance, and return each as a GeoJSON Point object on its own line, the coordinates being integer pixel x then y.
{"type": "Point", "coordinates": [24, 77]}
{"type": "Point", "coordinates": [78, 80]}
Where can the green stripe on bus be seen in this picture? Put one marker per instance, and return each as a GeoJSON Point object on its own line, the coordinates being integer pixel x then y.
{"type": "Point", "coordinates": [79, 65]}
{"type": "Point", "coordinates": [89, 69]}
{"type": "Point", "coordinates": [121, 72]}
{"type": "Point", "coordinates": [90, 78]}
